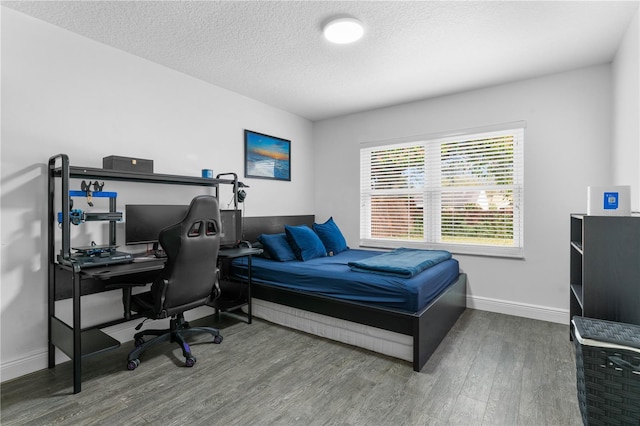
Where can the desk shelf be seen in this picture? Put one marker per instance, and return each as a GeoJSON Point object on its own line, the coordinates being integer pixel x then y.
{"type": "Point", "coordinates": [225, 304]}
{"type": "Point", "coordinates": [93, 341]}
{"type": "Point", "coordinates": [119, 175]}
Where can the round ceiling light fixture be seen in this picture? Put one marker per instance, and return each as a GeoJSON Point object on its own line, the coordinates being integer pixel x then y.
{"type": "Point", "coordinates": [343, 30]}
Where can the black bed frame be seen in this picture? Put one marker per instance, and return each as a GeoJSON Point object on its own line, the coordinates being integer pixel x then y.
{"type": "Point", "coordinates": [428, 327]}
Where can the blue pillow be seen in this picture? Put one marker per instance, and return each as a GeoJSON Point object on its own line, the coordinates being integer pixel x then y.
{"type": "Point", "coordinates": [331, 237]}
{"type": "Point", "coordinates": [305, 243]}
{"type": "Point", "coordinates": [277, 246]}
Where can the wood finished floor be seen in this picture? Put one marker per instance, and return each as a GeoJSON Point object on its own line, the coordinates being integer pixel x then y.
{"type": "Point", "coordinates": [491, 369]}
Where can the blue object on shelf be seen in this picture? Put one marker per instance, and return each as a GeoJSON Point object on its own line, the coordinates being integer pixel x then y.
{"type": "Point", "coordinates": [97, 194]}
{"type": "Point", "coordinates": [76, 217]}
{"type": "Point", "coordinates": [610, 201]}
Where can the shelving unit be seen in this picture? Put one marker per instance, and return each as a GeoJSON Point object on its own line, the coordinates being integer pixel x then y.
{"type": "Point", "coordinates": [68, 280]}
{"type": "Point", "coordinates": [605, 267]}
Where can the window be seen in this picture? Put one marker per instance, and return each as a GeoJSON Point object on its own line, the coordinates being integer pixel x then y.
{"type": "Point", "coordinates": [461, 193]}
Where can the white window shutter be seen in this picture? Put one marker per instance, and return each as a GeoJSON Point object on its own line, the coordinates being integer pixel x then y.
{"type": "Point", "coordinates": [463, 193]}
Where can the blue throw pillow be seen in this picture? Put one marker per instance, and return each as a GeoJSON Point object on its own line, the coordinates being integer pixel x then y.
{"type": "Point", "coordinates": [305, 243]}
{"type": "Point", "coordinates": [277, 246]}
{"type": "Point", "coordinates": [331, 237]}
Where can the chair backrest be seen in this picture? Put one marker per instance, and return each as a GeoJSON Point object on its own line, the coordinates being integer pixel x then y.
{"type": "Point", "coordinates": [192, 246]}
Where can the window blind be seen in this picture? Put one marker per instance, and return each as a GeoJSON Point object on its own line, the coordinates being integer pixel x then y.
{"type": "Point", "coordinates": [463, 193]}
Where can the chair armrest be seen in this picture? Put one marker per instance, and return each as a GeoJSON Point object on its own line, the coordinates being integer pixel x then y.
{"type": "Point", "coordinates": [215, 291]}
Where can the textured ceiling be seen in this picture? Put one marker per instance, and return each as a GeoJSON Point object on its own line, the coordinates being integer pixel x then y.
{"type": "Point", "coordinates": [273, 51]}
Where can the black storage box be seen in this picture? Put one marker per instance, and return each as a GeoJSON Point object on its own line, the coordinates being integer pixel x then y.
{"type": "Point", "coordinates": [127, 164]}
{"type": "Point", "coordinates": [607, 371]}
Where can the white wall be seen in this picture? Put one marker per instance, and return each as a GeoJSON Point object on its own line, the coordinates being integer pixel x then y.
{"type": "Point", "coordinates": [62, 93]}
{"type": "Point", "coordinates": [568, 119]}
{"type": "Point", "coordinates": [626, 113]}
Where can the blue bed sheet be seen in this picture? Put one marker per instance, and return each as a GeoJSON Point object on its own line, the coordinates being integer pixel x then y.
{"type": "Point", "coordinates": [332, 277]}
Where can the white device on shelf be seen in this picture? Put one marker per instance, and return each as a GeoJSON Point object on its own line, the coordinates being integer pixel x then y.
{"type": "Point", "coordinates": [609, 200]}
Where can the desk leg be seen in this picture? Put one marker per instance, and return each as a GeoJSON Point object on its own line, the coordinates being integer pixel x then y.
{"type": "Point", "coordinates": [52, 312]}
{"type": "Point", "coordinates": [126, 302]}
{"type": "Point", "coordinates": [249, 314]}
{"type": "Point", "coordinates": [77, 333]}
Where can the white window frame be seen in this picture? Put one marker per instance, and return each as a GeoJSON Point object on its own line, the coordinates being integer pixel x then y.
{"type": "Point", "coordinates": [432, 189]}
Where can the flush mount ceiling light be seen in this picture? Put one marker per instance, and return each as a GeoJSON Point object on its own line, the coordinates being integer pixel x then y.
{"type": "Point", "coordinates": [343, 30]}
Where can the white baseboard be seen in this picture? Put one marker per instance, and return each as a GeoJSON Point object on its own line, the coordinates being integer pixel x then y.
{"type": "Point", "coordinates": [525, 310]}
{"type": "Point", "coordinates": [28, 363]}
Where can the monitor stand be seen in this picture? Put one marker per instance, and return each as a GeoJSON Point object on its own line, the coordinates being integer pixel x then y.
{"type": "Point", "coordinates": [157, 251]}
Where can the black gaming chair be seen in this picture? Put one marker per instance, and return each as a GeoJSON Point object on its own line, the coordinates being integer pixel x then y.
{"type": "Point", "coordinates": [188, 280]}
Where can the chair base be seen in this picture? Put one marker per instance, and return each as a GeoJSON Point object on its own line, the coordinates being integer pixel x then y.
{"type": "Point", "coordinates": [179, 328]}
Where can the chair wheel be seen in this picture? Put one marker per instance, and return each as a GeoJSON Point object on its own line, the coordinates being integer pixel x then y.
{"type": "Point", "coordinates": [217, 339]}
{"type": "Point", "coordinates": [138, 342]}
{"type": "Point", "coordinates": [190, 362]}
{"type": "Point", "coordinates": [131, 365]}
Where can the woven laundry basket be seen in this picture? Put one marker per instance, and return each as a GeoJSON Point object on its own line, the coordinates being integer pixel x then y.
{"type": "Point", "coordinates": [608, 371]}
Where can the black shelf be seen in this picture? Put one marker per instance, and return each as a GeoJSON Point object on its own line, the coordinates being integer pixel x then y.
{"type": "Point", "coordinates": [577, 246]}
{"type": "Point", "coordinates": [225, 305]}
{"type": "Point", "coordinates": [93, 341]}
{"type": "Point", "coordinates": [576, 290]}
{"type": "Point", "coordinates": [605, 268]}
{"type": "Point", "coordinates": [108, 174]}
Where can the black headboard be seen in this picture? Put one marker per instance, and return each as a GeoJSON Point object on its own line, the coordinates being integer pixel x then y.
{"type": "Point", "coordinates": [254, 226]}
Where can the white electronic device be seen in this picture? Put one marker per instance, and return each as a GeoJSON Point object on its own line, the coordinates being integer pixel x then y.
{"type": "Point", "coordinates": [609, 200]}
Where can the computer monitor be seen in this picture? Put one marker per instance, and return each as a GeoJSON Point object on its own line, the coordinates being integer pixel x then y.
{"type": "Point", "coordinates": [143, 223]}
{"type": "Point", "coordinates": [231, 227]}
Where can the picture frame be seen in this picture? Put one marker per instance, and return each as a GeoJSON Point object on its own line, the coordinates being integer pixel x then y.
{"type": "Point", "coordinates": [266, 156]}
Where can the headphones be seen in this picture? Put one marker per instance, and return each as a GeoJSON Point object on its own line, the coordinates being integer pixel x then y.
{"type": "Point", "coordinates": [241, 195]}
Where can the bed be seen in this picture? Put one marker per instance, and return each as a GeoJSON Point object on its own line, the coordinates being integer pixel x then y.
{"type": "Point", "coordinates": [398, 317]}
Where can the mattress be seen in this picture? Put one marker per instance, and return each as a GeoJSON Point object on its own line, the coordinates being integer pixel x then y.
{"type": "Point", "coordinates": [331, 276]}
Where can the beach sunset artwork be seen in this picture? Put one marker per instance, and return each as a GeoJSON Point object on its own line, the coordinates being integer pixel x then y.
{"type": "Point", "coordinates": [267, 157]}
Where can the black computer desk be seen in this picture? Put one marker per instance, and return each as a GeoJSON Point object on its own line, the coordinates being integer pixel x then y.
{"type": "Point", "coordinates": [72, 282]}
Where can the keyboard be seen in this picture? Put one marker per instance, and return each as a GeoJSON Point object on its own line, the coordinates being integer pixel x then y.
{"type": "Point", "coordinates": [87, 261]}
{"type": "Point", "coordinates": [141, 259]}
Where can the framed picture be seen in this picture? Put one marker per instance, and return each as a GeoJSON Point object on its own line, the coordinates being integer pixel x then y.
{"type": "Point", "coordinates": [266, 157]}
